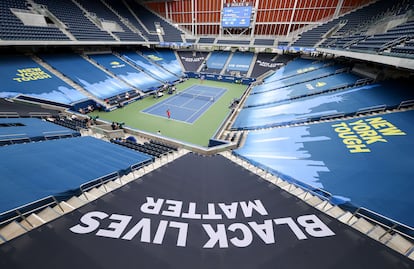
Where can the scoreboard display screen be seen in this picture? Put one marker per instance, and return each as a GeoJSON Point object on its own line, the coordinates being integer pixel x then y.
{"type": "Point", "coordinates": [236, 17]}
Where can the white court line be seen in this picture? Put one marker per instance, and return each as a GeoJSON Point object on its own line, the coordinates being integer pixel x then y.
{"type": "Point", "coordinates": [195, 113]}
{"type": "Point", "coordinates": [169, 102]}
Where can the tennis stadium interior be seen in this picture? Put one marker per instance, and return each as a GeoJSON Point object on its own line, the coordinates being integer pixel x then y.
{"type": "Point", "coordinates": [209, 134]}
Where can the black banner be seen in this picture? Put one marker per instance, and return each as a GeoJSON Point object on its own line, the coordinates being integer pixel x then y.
{"type": "Point", "coordinates": [198, 212]}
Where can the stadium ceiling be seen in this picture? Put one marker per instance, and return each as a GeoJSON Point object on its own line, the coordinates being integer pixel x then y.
{"type": "Point", "coordinates": [269, 17]}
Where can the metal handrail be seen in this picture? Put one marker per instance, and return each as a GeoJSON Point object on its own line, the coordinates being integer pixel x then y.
{"type": "Point", "coordinates": [21, 212]}
{"type": "Point", "coordinates": [391, 228]}
{"type": "Point", "coordinates": [377, 219]}
{"type": "Point", "coordinates": [98, 182]}
{"type": "Point", "coordinates": [406, 103]}
{"type": "Point", "coordinates": [371, 109]}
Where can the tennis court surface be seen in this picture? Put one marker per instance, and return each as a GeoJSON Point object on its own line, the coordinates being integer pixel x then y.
{"type": "Point", "coordinates": [187, 105]}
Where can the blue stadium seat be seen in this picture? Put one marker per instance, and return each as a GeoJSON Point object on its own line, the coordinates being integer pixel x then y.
{"type": "Point", "coordinates": [165, 58]}
{"type": "Point", "coordinates": [78, 25]}
{"type": "Point", "coordinates": [217, 60]}
{"type": "Point", "coordinates": [151, 68]}
{"type": "Point", "coordinates": [22, 75]}
{"type": "Point", "coordinates": [126, 72]}
{"type": "Point", "coordinates": [240, 61]}
{"type": "Point", "coordinates": [90, 77]}
{"type": "Point", "coordinates": [14, 29]}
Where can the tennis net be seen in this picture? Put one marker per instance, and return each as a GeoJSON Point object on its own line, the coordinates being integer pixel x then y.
{"type": "Point", "coordinates": [196, 96]}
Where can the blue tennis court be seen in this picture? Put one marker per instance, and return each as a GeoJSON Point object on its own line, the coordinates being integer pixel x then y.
{"type": "Point", "coordinates": [187, 105]}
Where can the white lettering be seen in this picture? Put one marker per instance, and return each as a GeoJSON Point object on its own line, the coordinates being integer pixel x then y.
{"type": "Point", "coordinates": [151, 206]}
{"type": "Point", "coordinates": [218, 236]}
{"type": "Point", "coordinates": [89, 220]}
{"type": "Point", "coordinates": [115, 228]}
{"type": "Point", "coordinates": [182, 232]}
{"type": "Point", "coordinates": [229, 210]}
{"type": "Point", "coordinates": [191, 214]}
{"type": "Point", "coordinates": [292, 225]}
{"type": "Point", "coordinates": [248, 208]}
{"type": "Point", "coordinates": [174, 208]}
{"type": "Point", "coordinates": [314, 226]}
{"type": "Point", "coordinates": [211, 212]}
{"type": "Point", "coordinates": [247, 237]}
{"type": "Point", "coordinates": [144, 225]}
{"type": "Point", "coordinates": [264, 231]}
{"type": "Point", "coordinates": [159, 235]}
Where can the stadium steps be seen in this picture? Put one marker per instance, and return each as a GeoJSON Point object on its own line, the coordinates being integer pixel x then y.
{"type": "Point", "coordinates": [12, 230]}
{"type": "Point", "coordinates": [87, 197]}
{"type": "Point", "coordinates": [108, 72]}
{"type": "Point", "coordinates": [292, 189]}
{"type": "Point", "coordinates": [376, 232]}
{"type": "Point", "coordinates": [314, 201]}
{"type": "Point", "coordinates": [66, 80]}
{"type": "Point", "coordinates": [32, 221]}
{"type": "Point", "coordinates": [63, 207]}
{"type": "Point", "coordinates": [56, 21]}
{"type": "Point", "coordinates": [112, 185]}
{"type": "Point", "coordinates": [179, 61]}
{"type": "Point", "coordinates": [15, 228]}
{"type": "Point", "coordinates": [348, 218]}
{"type": "Point", "coordinates": [96, 192]}
{"type": "Point", "coordinates": [411, 256]}
{"type": "Point", "coordinates": [125, 22]}
{"type": "Point", "coordinates": [131, 10]}
{"type": "Point", "coordinates": [400, 244]}
{"type": "Point", "coordinates": [252, 64]}
{"type": "Point", "coordinates": [76, 202]}
{"type": "Point", "coordinates": [223, 71]}
{"type": "Point", "coordinates": [363, 225]}
{"type": "Point", "coordinates": [324, 206]}
{"type": "Point", "coordinates": [380, 234]}
{"type": "Point", "coordinates": [335, 212]}
{"type": "Point", "coordinates": [94, 19]}
{"type": "Point", "coordinates": [48, 214]}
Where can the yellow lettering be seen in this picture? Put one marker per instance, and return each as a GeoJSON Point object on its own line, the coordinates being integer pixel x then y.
{"type": "Point", "coordinates": [374, 139]}
{"type": "Point", "coordinates": [368, 133]}
{"type": "Point", "coordinates": [361, 148]}
{"type": "Point", "coordinates": [30, 74]}
{"type": "Point", "coordinates": [392, 131]}
{"type": "Point", "coordinates": [361, 128]}
{"type": "Point", "coordinates": [360, 122]}
{"type": "Point", "coordinates": [352, 141]}
{"type": "Point", "coordinates": [379, 122]}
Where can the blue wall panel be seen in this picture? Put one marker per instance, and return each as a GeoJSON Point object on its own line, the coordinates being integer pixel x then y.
{"type": "Point", "coordinates": [90, 77]}
{"type": "Point", "coordinates": [293, 68]}
{"type": "Point", "coordinates": [217, 59]}
{"type": "Point", "coordinates": [21, 75]}
{"type": "Point", "coordinates": [165, 58]}
{"type": "Point", "coordinates": [240, 61]}
{"type": "Point", "coordinates": [57, 167]}
{"type": "Point", "coordinates": [298, 78]}
{"type": "Point", "coordinates": [31, 128]}
{"type": "Point", "coordinates": [313, 107]}
{"type": "Point", "coordinates": [147, 66]}
{"type": "Point", "coordinates": [126, 72]}
{"type": "Point", "coordinates": [367, 160]}
{"type": "Point", "coordinates": [301, 89]}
